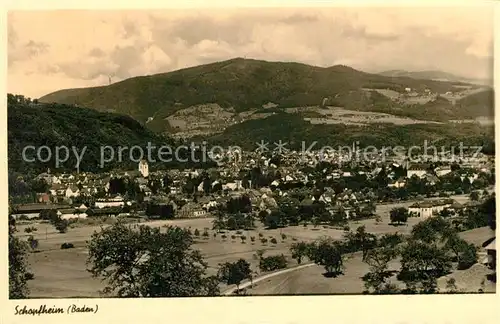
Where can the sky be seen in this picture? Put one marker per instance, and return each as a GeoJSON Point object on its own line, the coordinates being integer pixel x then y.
{"type": "Point", "coordinates": [54, 50]}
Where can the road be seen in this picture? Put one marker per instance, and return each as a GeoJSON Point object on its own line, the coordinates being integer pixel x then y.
{"type": "Point", "coordinates": [264, 277]}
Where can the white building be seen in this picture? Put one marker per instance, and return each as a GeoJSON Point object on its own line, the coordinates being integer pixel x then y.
{"type": "Point", "coordinates": [110, 202]}
{"type": "Point", "coordinates": [71, 214]}
{"type": "Point", "coordinates": [442, 171]}
{"type": "Point", "coordinates": [417, 170]}
{"type": "Point", "coordinates": [143, 168]}
{"type": "Point", "coordinates": [427, 209]}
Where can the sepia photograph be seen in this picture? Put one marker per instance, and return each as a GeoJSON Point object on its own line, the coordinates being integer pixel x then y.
{"type": "Point", "coordinates": [243, 152]}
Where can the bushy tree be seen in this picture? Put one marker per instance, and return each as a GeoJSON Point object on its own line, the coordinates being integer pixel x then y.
{"type": "Point", "coordinates": [234, 273]}
{"type": "Point", "coordinates": [18, 267]}
{"type": "Point", "coordinates": [399, 215]}
{"type": "Point", "coordinates": [62, 226]}
{"type": "Point", "coordinates": [390, 240]}
{"type": "Point", "coordinates": [272, 263]}
{"type": "Point", "coordinates": [421, 264]}
{"type": "Point", "coordinates": [299, 250]}
{"type": "Point", "coordinates": [360, 241]}
{"type": "Point", "coordinates": [376, 279]}
{"type": "Point", "coordinates": [149, 263]}
{"type": "Point", "coordinates": [327, 253]}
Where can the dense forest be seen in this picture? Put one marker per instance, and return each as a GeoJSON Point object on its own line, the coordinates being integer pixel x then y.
{"type": "Point", "coordinates": [31, 123]}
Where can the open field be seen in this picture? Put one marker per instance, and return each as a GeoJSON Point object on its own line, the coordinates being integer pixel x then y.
{"type": "Point", "coordinates": [391, 94]}
{"type": "Point", "coordinates": [310, 280]}
{"type": "Point", "coordinates": [334, 115]}
{"type": "Point", "coordinates": [61, 273]}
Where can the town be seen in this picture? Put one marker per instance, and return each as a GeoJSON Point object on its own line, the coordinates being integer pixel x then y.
{"type": "Point", "coordinates": [267, 152]}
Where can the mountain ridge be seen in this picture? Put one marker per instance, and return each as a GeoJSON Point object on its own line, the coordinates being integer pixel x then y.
{"type": "Point", "coordinates": [242, 84]}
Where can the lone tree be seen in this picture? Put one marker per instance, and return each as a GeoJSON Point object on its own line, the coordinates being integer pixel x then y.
{"type": "Point", "coordinates": [327, 253]}
{"type": "Point", "coordinates": [399, 215]}
{"type": "Point", "coordinates": [62, 226]}
{"type": "Point", "coordinates": [234, 273]}
{"type": "Point", "coordinates": [299, 250]}
{"type": "Point", "coordinates": [149, 263]}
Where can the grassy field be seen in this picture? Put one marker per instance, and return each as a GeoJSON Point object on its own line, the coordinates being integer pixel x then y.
{"type": "Point", "coordinates": [61, 273]}
{"type": "Point", "coordinates": [310, 280]}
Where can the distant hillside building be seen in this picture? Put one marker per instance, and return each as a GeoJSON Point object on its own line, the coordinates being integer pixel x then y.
{"type": "Point", "coordinates": [144, 168]}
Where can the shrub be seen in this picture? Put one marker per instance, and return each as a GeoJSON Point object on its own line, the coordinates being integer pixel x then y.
{"type": "Point", "coordinates": [28, 230]}
{"type": "Point", "coordinates": [294, 239]}
{"type": "Point", "coordinates": [233, 237]}
{"type": "Point", "coordinates": [347, 228]}
{"type": "Point", "coordinates": [205, 233]}
{"type": "Point", "coordinates": [283, 236]}
{"type": "Point", "coordinates": [65, 246]}
{"type": "Point", "coordinates": [29, 276]}
{"type": "Point", "coordinates": [263, 240]}
{"type": "Point", "coordinates": [196, 232]}
{"type": "Point", "coordinates": [33, 242]}
{"type": "Point", "coordinates": [62, 226]}
{"type": "Point", "coordinates": [261, 235]}
{"type": "Point", "coordinates": [274, 241]}
{"type": "Point", "coordinates": [252, 238]}
{"type": "Point", "coordinates": [239, 232]}
{"type": "Point", "coordinates": [223, 236]}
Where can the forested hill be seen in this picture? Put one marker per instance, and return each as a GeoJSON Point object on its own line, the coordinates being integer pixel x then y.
{"type": "Point", "coordinates": [239, 83]}
{"type": "Point", "coordinates": [55, 125]}
{"type": "Point", "coordinates": [296, 132]}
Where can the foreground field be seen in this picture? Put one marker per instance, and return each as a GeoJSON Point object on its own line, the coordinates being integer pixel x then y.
{"type": "Point", "coordinates": [62, 273]}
